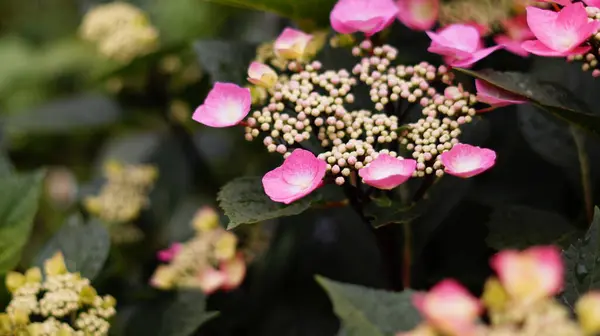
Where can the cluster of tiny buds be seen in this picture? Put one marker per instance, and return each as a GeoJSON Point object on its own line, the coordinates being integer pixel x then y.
{"type": "Point", "coordinates": [589, 60]}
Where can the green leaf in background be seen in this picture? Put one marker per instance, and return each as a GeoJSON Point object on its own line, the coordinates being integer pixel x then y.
{"type": "Point", "coordinates": [373, 312]}
{"type": "Point", "coordinates": [551, 97]}
{"type": "Point", "coordinates": [519, 227]}
{"type": "Point", "coordinates": [66, 115]}
{"type": "Point", "coordinates": [309, 14]}
{"type": "Point", "coordinates": [19, 198]}
{"type": "Point", "coordinates": [225, 61]}
{"type": "Point", "coordinates": [85, 246]}
{"type": "Point", "coordinates": [582, 263]}
{"type": "Point", "coordinates": [244, 201]}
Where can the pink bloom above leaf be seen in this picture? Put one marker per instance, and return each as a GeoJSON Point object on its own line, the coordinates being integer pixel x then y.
{"type": "Point", "coordinates": [530, 275]}
{"type": "Point", "coordinates": [168, 254]}
{"type": "Point", "coordinates": [262, 75]}
{"type": "Point", "coordinates": [418, 14]}
{"type": "Point", "coordinates": [460, 45]}
{"type": "Point", "coordinates": [561, 33]}
{"type": "Point", "coordinates": [495, 96]}
{"type": "Point", "coordinates": [449, 308]}
{"type": "Point", "coordinates": [291, 44]}
{"type": "Point", "coordinates": [226, 105]}
{"type": "Point", "coordinates": [467, 161]}
{"type": "Point", "coordinates": [387, 172]}
{"type": "Point", "coordinates": [367, 16]}
{"type": "Point", "coordinates": [298, 176]}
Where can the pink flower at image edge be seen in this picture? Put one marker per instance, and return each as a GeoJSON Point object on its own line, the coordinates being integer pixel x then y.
{"type": "Point", "coordinates": [466, 161]}
{"type": "Point", "coordinates": [226, 105]}
{"type": "Point", "coordinates": [387, 172]}
{"type": "Point", "coordinates": [369, 17]}
{"type": "Point", "coordinates": [300, 174]}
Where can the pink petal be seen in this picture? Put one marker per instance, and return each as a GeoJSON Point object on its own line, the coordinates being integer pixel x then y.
{"type": "Point", "coordinates": [517, 28]}
{"type": "Point", "coordinates": [210, 279]}
{"type": "Point", "coordinates": [474, 58]}
{"type": "Point", "coordinates": [234, 271]}
{"type": "Point", "coordinates": [367, 16]}
{"type": "Point", "coordinates": [573, 21]}
{"type": "Point", "coordinates": [495, 96]}
{"type": "Point", "coordinates": [387, 172]}
{"type": "Point", "coordinates": [593, 3]}
{"type": "Point", "coordinates": [461, 36]}
{"type": "Point", "coordinates": [261, 74]}
{"type": "Point", "coordinates": [511, 45]}
{"type": "Point", "coordinates": [466, 161]}
{"type": "Point", "coordinates": [560, 2]}
{"type": "Point", "coordinates": [168, 254]}
{"type": "Point", "coordinates": [298, 176]}
{"type": "Point", "coordinates": [226, 105]}
{"type": "Point", "coordinates": [449, 308]}
{"type": "Point", "coordinates": [538, 48]}
{"type": "Point", "coordinates": [291, 43]}
{"type": "Point", "coordinates": [442, 46]}
{"type": "Point", "coordinates": [418, 14]}
{"type": "Point", "coordinates": [542, 24]}
{"type": "Point", "coordinates": [530, 275]}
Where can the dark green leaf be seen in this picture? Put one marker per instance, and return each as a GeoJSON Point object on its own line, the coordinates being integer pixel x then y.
{"type": "Point", "coordinates": [516, 226]}
{"type": "Point", "coordinates": [225, 61]}
{"type": "Point", "coordinates": [551, 97]}
{"type": "Point", "coordinates": [366, 311]}
{"type": "Point", "coordinates": [85, 246]}
{"type": "Point", "coordinates": [582, 263]}
{"type": "Point", "coordinates": [306, 12]}
{"type": "Point", "coordinates": [18, 206]}
{"type": "Point", "coordinates": [383, 213]}
{"type": "Point", "coordinates": [244, 201]}
{"type": "Point", "coordinates": [66, 115]}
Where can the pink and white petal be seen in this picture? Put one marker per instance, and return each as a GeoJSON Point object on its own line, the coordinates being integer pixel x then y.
{"type": "Point", "coordinates": [210, 280]}
{"type": "Point", "coordinates": [513, 46]}
{"type": "Point", "coordinates": [301, 167]}
{"type": "Point", "coordinates": [593, 3]}
{"type": "Point", "coordinates": [538, 48]}
{"type": "Point", "coordinates": [440, 45]}
{"type": "Point", "coordinates": [474, 58]}
{"type": "Point", "coordinates": [277, 188]}
{"type": "Point", "coordinates": [461, 36]}
{"type": "Point", "coordinates": [495, 96]}
{"type": "Point", "coordinates": [542, 24]}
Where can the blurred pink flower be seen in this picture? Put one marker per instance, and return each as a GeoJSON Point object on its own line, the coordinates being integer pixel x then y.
{"type": "Point", "coordinates": [449, 308]}
{"type": "Point", "coordinates": [387, 172]}
{"type": "Point", "coordinates": [531, 274]}
{"type": "Point", "coordinates": [234, 271]}
{"type": "Point", "coordinates": [261, 74]}
{"type": "Point", "coordinates": [516, 31]}
{"type": "Point", "coordinates": [367, 16]}
{"type": "Point", "coordinates": [169, 253]}
{"type": "Point", "coordinates": [593, 3]}
{"type": "Point", "coordinates": [226, 105]}
{"type": "Point", "coordinates": [210, 279]}
{"type": "Point", "coordinates": [467, 161]}
{"type": "Point", "coordinates": [418, 14]}
{"type": "Point", "coordinates": [460, 45]}
{"type": "Point", "coordinates": [559, 33]}
{"type": "Point", "coordinates": [495, 96]}
{"type": "Point", "coordinates": [298, 176]}
{"type": "Point", "coordinates": [291, 44]}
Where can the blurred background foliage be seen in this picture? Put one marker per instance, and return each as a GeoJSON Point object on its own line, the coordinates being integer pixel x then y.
{"type": "Point", "coordinates": [65, 107]}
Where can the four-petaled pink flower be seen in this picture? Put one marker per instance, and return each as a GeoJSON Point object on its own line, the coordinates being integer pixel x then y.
{"type": "Point", "coordinates": [418, 14]}
{"type": "Point", "coordinates": [291, 44]}
{"type": "Point", "coordinates": [387, 172]}
{"type": "Point", "coordinates": [367, 16]}
{"type": "Point", "coordinates": [529, 275]}
{"type": "Point", "coordinates": [516, 31]}
{"type": "Point", "coordinates": [262, 75]}
{"type": "Point", "coordinates": [226, 105]}
{"type": "Point", "coordinates": [467, 161]}
{"type": "Point", "coordinates": [298, 176]}
{"type": "Point", "coordinates": [460, 45]}
{"type": "Point", "coordinates": [449, 308]}
{"type": "Point", "coordinates": [495, 96]}
{"type": "Point", "coordinates": [169, 253]}
{"type": "Point", "coordinates": [561, 33]}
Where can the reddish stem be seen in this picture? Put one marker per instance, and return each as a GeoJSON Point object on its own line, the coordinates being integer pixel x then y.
{"type": "Point", "coordinates": [487, 109]}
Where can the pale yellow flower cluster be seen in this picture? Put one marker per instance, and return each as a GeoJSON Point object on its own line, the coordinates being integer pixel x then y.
{"type": "Point", "coordinates": [120, 31]}
{"type": "Point", "coordinates": [64, 302]}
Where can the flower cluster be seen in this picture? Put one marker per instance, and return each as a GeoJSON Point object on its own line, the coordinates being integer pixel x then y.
{"type": "Point", "coordinates": [209, 261]}
{"type": "Point", "coordinates": [62, 303]}
{"type": "Point", "coordinates": [120, 31]}
{"type": "Point", "coordinates": [519, 301]}
{"type": "Point", "coordinates": [124, 194]}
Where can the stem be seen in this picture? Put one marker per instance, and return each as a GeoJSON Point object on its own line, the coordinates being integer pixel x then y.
{"type": "Point", "coordinates": [406, 256]}
{"type": "Point", "coordinates": [584, 166]}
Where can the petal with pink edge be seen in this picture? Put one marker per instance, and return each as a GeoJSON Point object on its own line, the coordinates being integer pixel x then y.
{"type": "Point", "coordinates": [495, 96]}
{"type": "Point", "coordinates": [210, 280]}
{"type": "Point", "coordinates": [593, 3]}
{"type": "Point", "coordinates": [462, 36]}
{"type": "Point", "coordinates": [474, 58]}
{"type": "Point", "coordinates": [536, 47]}
{"type": "Point", "coordinates": [466, 161]}
{"type": "Point", "coordinates": [387, 172]}
{"type": "Point", "coordinates": [560, 2]}
{"type": "Point", "coordinates": [367, 16]}
{"type": "Point", "coordinates": [440, 45]}
{"type": "Point", "coordinates": [226, 105]}
{"type": "Point", "coordinates": [291, 43]}
{"type": "Point", "coordinates": [542, 24]}
{"type": "Point", "coordinates": [418, 14]}
{"type": "Point", "coordinates": [572, 27]}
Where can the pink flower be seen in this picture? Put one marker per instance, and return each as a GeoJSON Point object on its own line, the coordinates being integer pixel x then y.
{"type": "Point", "coordinates": [467, 161]}
{"type": "Point", "coordinates": [291, 44]}
{"type": "Point", "coordinates": [529, 275]}
{"type": "Point", "coordinates": [418, 14]}
{"type": "Point", "coordinates": [168, 254]}
{"type": "Point", "coordinates": [210, 279]}
{"type": "Point", "coordinates": [226, 105]}
{"type": "Point", "coordinates": [495, 96]}
{"type": "Point", "coordinates": [234, 271]}
{"type": "Point", "coordinates": [387, 172]}
{"type": "Point", "coordinates": [449, 308]}
{"type": "Point", "coordinates": [367, 16]}
{"type": "Point", "coordinates": [460, 44]}
{"type": "Point", "coordinates": [559, 33]}
{"type": "Point", "coordinates": [516, 31]}
{"type": "Point", "coordinates": [262, 75]}
{"type": "Point", "coordinates": [593, 3]}
{"type": "Point", "coordinates": [298, 176]}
